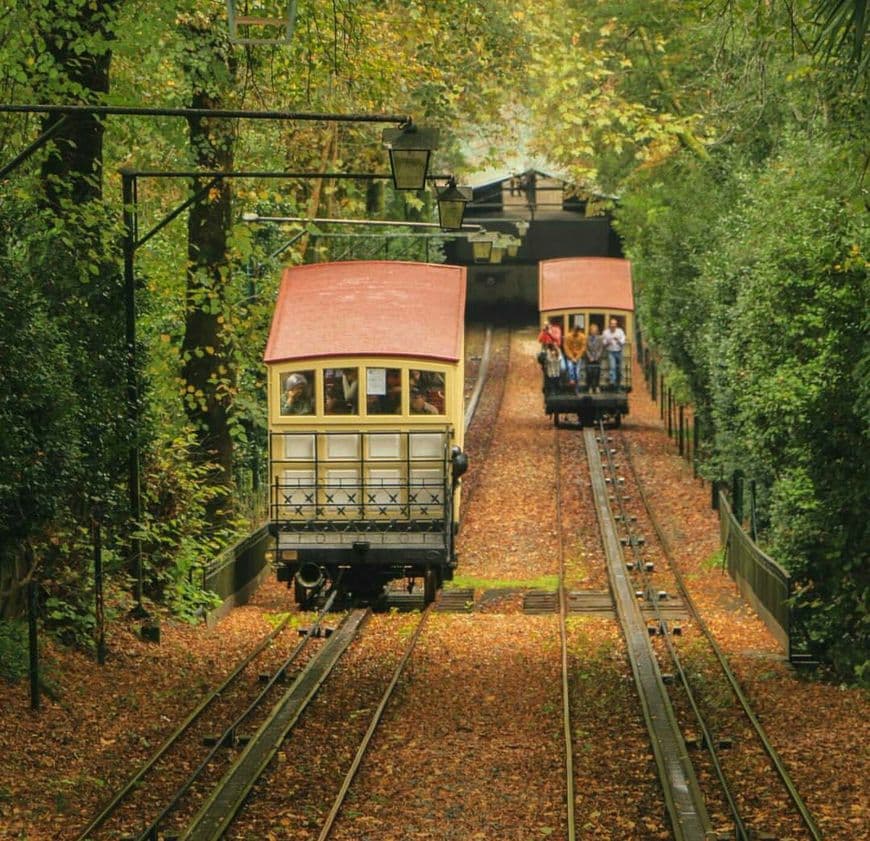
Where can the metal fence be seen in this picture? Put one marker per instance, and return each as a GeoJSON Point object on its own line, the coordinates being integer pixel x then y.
{"type": "Point", "coordinates": [238, 565]}
{"type": "Point", "coordinates": [760, 579]}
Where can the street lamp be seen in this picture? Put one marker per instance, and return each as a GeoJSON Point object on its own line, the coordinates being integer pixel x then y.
{"type": "Point", "coordinates": [451, 205]}
{"type": "Point", "coordinates": [481, 246]}
{"type": "Point", "coordinates": [410, 148]}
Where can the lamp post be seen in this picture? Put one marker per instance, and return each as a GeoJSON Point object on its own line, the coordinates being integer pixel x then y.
{"type": "Point", "coordinates": [410, 148]}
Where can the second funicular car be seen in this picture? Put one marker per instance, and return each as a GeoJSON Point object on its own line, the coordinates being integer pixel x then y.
{"type": "Point", "coordinates": [592, 293]}
{"type": "Point", "coordinates": [365, 381]}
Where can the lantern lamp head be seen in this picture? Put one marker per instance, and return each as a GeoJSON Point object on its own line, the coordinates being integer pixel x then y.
{"type": "Point", "coordinates": [410, 148]}
{"type": "Point", "coordinates": [451, 205]}
{"type": "Point", "coordinates": [481, 246]}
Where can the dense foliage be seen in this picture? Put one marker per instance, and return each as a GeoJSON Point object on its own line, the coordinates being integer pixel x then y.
{"type": "Point", "coordinates": [205, 289]}
{"type": "Point", "coordinates": [733, 134]}
{"type": "Point", "coordinates": [735, 137]}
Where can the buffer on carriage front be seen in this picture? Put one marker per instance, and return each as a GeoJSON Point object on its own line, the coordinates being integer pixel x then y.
{"type": "Point", "coordinates": [365, 381]}
{"type": "Point", "coordinates": [590, 293]}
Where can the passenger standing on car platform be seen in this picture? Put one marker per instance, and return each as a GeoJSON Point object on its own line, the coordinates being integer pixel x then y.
{"type": "Point", "coordinates": [552, 370]}
{"type": "Point", "coordinates": [549, 335]}
{"type": "Point", "coordinates": [575, 347]}
{"type": "Point", "coordinates": [594, 349]}
{"type": "Point", "coordinates": [614, 341]}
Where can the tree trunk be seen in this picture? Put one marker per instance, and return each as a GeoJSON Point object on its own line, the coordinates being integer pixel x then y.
{"type": "Point", "coordinates": [74, 169]}
{"type": "Point", "coordinates": [208, 369]}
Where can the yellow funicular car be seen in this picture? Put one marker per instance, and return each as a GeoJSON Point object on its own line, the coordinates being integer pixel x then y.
{"type": "Point", "coordinates": [365, 379]}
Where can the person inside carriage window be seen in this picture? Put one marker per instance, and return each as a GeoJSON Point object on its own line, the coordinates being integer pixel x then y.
{"type": "Point", "coordinates": [614, 341]}
{"type": "Point", "coordinates": [297, 398]}
{"type": "Point", "coordinates": [341, 391]}
{"type": "Point", "coordinates": [419, 406]}
{"type": "Point", "coordinates": [594, 350]}
{"type": "Point", "coordinates": [575, 347]}
{"type": "Point", "coordinates": [431, 383]}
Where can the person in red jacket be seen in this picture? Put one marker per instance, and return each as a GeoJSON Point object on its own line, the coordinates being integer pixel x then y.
{"type": "Point", "coordinates": [551, 334]}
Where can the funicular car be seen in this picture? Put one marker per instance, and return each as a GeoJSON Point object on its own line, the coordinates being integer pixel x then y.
{"type": "Point", "coordinates": [365, 380]}
{"type": "Point", "coordinates": [589, 293]}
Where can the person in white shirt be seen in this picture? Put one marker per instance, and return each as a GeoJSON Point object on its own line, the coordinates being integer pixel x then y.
{"type": "Point", "coordinates": [614, 340]}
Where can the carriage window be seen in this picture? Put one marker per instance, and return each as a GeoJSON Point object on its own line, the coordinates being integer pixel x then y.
{"type": "Point", "coordinates": [383, 391]}
{"type": "Point", "coordinates": [425, 392]}
{"type": "Point", "coordinates": [341, 391]}
{"type": "Point", "coordinates": [597, 318]}
{"type": "Point", "coordinates": [558, 321]}
{"type": "Point", "coordinates": [578, 319]}
{"type": "Point", "coordinates": [297, 393]}
{"type": "Point", "coordinates": [620, 320]}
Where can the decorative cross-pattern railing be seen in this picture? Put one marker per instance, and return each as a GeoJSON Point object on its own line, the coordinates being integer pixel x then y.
{"type": "Point", "coordinates": [372, 480]}
{"type": "Point", "coordinates": [374, 505]}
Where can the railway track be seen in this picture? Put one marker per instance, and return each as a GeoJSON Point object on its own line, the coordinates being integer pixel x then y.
{"type": "Point", "coordinates": [218, 808]}
{"type": "Point", "coordinates": [776, 771]}
{"type": "Point", "coordinates": [227, 798]}
{"type": "Point", "coordinates": [332, 816]}
{"type": "Point", "coordinates": [217, 713]}
{"type": "Point", "coordinates": [684, 800]}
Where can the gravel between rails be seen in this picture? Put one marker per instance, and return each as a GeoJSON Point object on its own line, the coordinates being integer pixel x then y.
{"type": "Point", "coordinates": [510, 530]}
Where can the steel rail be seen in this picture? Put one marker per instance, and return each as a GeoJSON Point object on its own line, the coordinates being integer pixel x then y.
{"type": "Point", "coordinates": [482, 373]}
{"type": "Point", "coordinates": [741, 830]}
{"type": "Point", "coordinates": [223, 804]}
{"type": "Point", "coordinates": [230, 731]}
{"type": "Point", "coordinates": [563, 637]}
{"type": "Point", "coordinates": [137, 778]}
{"type": "Point", "coordinates": [685, 803]}
{"type": "Point", "coordinates": [488, 439]}
{"type": "Point", "coordinates": [328, 824]}
{"type": "Point", "coordinates": [779, 765]}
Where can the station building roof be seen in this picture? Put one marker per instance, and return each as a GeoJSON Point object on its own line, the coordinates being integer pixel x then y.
{"type": "Point", "coordinates": [369, 308]}
{"type": "Point", "coordinates": [584, 282]}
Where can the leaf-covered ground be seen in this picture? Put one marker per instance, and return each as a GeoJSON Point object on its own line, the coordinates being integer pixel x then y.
{"type": "Point", "coordinates": [472, 745]}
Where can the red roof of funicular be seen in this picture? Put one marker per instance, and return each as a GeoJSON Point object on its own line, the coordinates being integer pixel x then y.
{"type": "Point", "coordinates": [576, 282]}
{"type": "Point", "coordinates": [369, 308]}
